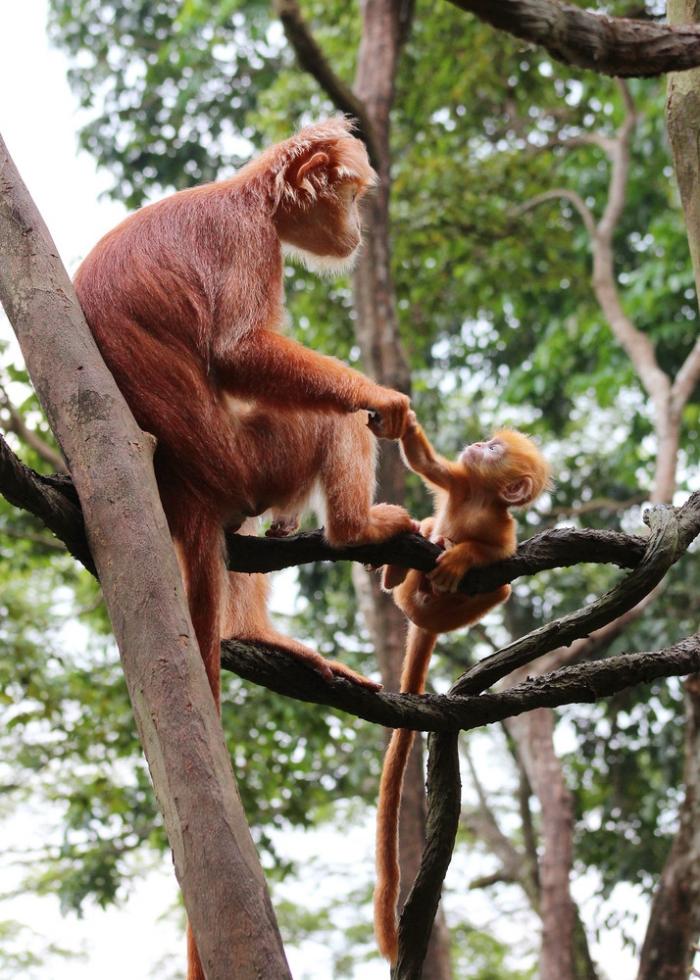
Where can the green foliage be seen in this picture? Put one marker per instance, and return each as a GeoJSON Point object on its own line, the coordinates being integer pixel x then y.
{"type": "Point", "coordinates": [478, 956]}
{"type": "Point", "coordinates": [24, 954]}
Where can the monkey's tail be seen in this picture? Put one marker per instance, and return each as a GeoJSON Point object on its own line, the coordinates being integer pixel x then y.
{"type": "Point", "coordinates": [419, 647]}
{"type": "Point", "coordinates": [200, 549]}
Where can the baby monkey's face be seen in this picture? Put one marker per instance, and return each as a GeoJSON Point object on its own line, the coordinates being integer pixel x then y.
{"type": "Point", "coordinates": [483, 453]}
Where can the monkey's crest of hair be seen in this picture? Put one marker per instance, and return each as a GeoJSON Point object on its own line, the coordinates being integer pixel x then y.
{"type": "Point", "coordinates": [277, 167]}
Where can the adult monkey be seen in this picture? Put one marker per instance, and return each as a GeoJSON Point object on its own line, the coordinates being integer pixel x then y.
{"type": "Point", "coordinates": [184, 299]}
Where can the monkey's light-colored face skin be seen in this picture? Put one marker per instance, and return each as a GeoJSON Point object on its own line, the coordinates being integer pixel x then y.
{"type": "Point", "coordinates": [483, 452]}
{"type": "Point", "coordinates": [509, 466]}
{"type": "Point", "coordinates": [326, 237]}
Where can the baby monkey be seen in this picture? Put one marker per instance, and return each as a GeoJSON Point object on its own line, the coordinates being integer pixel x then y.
{"type": "Point", "coordinates": [473, 524]}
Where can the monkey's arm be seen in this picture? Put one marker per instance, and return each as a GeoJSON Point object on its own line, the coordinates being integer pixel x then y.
{"type": "Point", "coordinates": [422, 458]}
{"type": "Point", "coordinates": [270, 366]}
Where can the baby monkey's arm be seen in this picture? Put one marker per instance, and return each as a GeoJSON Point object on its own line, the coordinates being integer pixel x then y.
{"type": "Point", "coordinates": [422, 458]}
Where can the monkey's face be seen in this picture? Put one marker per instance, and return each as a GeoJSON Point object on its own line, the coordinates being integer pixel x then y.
{"type": "Point", "coordinates": [326, 234]}
{"type": "Point", "coordinates": [483, 454]}
{"type": "Point", "coordinates": [508, 466]}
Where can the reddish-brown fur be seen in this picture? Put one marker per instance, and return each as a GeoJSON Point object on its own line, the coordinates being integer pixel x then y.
{"type": "Point", "coordinates": [472, 521]}
{"type": "Point", "coordinates": [185, 301]}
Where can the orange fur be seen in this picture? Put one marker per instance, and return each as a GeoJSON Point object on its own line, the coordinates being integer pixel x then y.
{"type": "Point", "coordinates": [185, 301]}
{"type": "Point", "coordinates": [472, 521]}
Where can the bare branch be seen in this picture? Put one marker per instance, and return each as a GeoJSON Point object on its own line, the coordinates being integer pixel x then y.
{"type": "Point", "coordinates": [549, 549]}
{"type": "Point", "coordinates": [32, 439]}
{"type": "Point", "coordinates": [619, 153]}
{"type": "Point", "coordinates": [277, 671]}
{"type": "Point", "coordinates": [55, 502]}
{"type": "Point", "coordinates": [686, 380]}
{"type": "Point", "coordinates": [48, 500]}
{"type": "Point", "coordinates": [567, 195]}
{"type": "Point", "coordinates": [607, 45]}
{"type": "Point", "coordinates": [312, 59]}
{"type": "Point", "coordinates": [442, 821]}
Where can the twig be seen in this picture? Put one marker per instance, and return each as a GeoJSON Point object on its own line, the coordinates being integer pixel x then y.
{"type": "Point", "coordinates": [17, 425]}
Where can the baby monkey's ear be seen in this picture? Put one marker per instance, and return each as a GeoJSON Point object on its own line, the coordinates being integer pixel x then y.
{"type": "Point", "coordinates": [393, 575]}
{"type": "Point", "coordinates": [519, 492]}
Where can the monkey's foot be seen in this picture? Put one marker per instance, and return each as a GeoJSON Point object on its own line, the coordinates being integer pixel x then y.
{"type": "Point", "coordinates": [340, 670]}
{"type": "Point", "coordinates": [283, 526]}
{"type": "Point", "coordinates": [450, 570]}
{"type": "Point", "coordinates": [329, 669]}
{"type": "Point", "coordinates": [387, 520]}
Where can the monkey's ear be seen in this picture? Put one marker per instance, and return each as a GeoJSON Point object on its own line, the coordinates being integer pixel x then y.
{"type": "Point", "coordinates": [319, 159]}
{"type": "Point", "coordinates": [393, 575]}
{"type": "Point", "coordinates": [519, 492]}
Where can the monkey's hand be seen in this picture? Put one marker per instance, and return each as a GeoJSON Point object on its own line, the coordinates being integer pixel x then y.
{"type": "Point", "coordinates": [452, 565]}
{"type": "Point", "coordinates": [388, 413]}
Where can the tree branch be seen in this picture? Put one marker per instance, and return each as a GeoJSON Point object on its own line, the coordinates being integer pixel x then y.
{"type": "Point", "coordinates": [607, 45]}
{"type": "Point", "coordinates": [686, 379]}
{"type": "Point", "coordinates": [277, 671]}
{"type": "Point", "coordinates": [444, 793]}
{"type": "Point", "coordinates": [663, 549]}
{"type": "Point", "coordinates": [32, 439]}
{"type": "Point", "coordinates": [312, 59]}
{"type": "Point", "coordinates": [41, 496]}
{"type": "Point", "coordinates": [55, 502]}
{"type": "Point", "coordinates": [567, 195]}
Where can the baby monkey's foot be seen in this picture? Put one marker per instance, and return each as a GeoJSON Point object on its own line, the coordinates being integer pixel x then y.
{"type": "Point", "coordinates": [449, 571]}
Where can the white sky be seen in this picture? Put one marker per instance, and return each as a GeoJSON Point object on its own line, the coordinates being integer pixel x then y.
{"type": "Point", "coordinates": [38, 123]}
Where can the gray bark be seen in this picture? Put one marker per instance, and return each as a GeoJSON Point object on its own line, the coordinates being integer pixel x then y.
{"type": "Point", "coordinates": [110, 462]}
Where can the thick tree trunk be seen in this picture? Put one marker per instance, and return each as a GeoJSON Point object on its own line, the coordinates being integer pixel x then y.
{"type": "Point", "coordinates": [384, 23]}
{"type": "Point", "coordinates": [674, 921]}
{"type": "Point", "coordinates": [110, 462]}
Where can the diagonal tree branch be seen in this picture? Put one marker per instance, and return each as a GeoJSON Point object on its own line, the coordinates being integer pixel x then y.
{"type": "Point", "coordinates": [562, 193]}
{"type": "Point", "coordinates": [25, 488]}
{"type": "Point", "coordinates": [607, 45]}
{"type": "Point", "coordinates": [20, 428]}
{"type": "Point", "coordinates": [686, 379]}
{"type": "Point", "coordinates": [312, 59]}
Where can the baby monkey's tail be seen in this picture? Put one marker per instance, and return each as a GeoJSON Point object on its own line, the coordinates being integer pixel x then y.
{"type": "Point", "coordinates": [419, 647]}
